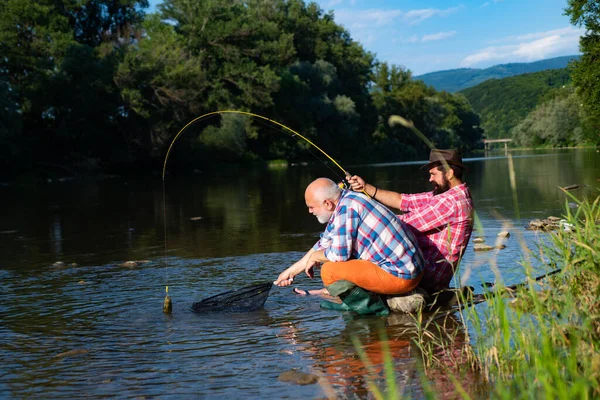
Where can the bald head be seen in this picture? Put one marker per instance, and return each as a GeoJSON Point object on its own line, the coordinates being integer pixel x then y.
{"type": "Point", "coordinates": [323, 189]}
{"type": "Point", "coordinates": [321, 198]}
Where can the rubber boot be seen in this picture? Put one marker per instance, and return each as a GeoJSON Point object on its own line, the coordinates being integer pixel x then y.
{"type": "Point", "coordinates": [355, 299]}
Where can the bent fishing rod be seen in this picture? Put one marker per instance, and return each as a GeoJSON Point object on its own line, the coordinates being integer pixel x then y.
{"type": "Point", "coordinates": [346, 174]}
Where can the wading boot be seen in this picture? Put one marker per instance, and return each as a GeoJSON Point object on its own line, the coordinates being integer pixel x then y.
{"type": "Point", "coordinates": [355, 299]}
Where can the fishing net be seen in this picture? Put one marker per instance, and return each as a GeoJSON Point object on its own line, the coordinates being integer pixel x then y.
{"type": "Point", "coordinates": [249, 298]}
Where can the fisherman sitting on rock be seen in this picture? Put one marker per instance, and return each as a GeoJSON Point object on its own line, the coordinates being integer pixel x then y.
{"type": "Point", "coordinates": [365, 249]}
{"type": "Point", "coordinates": [441, 220]}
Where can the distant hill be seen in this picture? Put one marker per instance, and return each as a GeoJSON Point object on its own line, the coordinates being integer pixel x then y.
{"type": "Point", "coordinates": [503, 103]}
{"type": "Point", "coordinates": [454, 80]}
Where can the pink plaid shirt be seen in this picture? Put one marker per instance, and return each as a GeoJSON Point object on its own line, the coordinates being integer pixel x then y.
{"type": "Point", "coordinates": [443, 226]}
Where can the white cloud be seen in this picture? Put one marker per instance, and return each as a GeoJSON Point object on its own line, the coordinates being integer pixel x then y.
{"type": "Point", "coordinates": [417, 16]}
{"type": "Point", "coordinates": [364, 19]}
{"type": "Point", "coordinates": [438, 36]}
{"type": "Point", "coordinates": [487, 3]}
{"type": "Point", "coordinates": [530, 47]}
{"type": "Point", "coordinates": [568, 31]}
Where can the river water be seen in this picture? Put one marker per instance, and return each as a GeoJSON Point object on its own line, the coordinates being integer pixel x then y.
{"type": "Point", "coordinates": [75, 321]}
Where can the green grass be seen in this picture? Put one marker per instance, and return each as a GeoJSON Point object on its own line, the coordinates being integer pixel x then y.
{"type": "Point", "coordinates": [540, 341]}
{"type": "Point", "coordinates": [546, 342]}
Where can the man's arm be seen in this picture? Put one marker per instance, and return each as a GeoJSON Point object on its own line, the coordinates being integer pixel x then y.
{"type": "Point", "coordinates": [317, 257]}
{"type": "Point", "coordinates": [287, 277]}
{"type": "Point", "coordinates": [385, 197]}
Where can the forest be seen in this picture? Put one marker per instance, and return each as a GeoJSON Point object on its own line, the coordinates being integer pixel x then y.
{"type": "Point", "coordinates": [100, 85]}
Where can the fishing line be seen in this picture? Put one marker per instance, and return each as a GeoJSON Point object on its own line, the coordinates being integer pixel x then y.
{"type": "Point", "coordinates": [308, 149]}
{"type": "Point", "coordinates": [252, 115]}
{"type": "Point", "coordinates": [261, 119]}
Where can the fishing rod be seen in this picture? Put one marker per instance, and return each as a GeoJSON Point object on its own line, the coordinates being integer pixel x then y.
{"type": "Point", "coordinates": [167, 306]}
{"type": "Point", "coordinates": [346, 174]}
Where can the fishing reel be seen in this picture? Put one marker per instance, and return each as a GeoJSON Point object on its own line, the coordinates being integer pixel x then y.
{"type": "Point", "coordinates": [344, 184]}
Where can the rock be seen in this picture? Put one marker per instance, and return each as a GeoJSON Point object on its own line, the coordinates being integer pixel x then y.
{"type": "Point", "coordinates": [478, 240]}
{"type": "Point", "coordinates": [195, 218]}
{"type": "Point", "coordinates": [547, 224]}
{"type": "Point", "coordinates": [407, 303]}
{"type": "Point", "coordinates": [565, 226]}
{"type": "Point", "coordinates": [59, 264]}
{"type": "Point", "coordinates": [504, 234]}
{"type": "Point", "coordinates": [485, 247]}
{"type": "Point", "coordinates": [133, 264]}
{"type": "Point", "coordinates": [536, 222]}
{"type": "Point", "coordinates": [130, 264]}
{"type": "Point", "coordinates": [298, 378]}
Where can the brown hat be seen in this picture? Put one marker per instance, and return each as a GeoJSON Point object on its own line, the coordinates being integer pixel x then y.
{"type": "Point", "coordinates": [437, 157]}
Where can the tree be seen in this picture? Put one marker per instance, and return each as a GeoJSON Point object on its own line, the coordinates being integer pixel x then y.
{"type": "Point", "coordinates": [59, 58]}
{"type": "Point", "coordinates": [586, 74]}
{"type": "Point", "coordinates": [559, 122]}
{"type": "Point", "coordinates": [445, 119]}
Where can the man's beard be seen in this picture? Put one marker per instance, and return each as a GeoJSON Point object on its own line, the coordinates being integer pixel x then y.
{"type": "Point", "coordinates": [324, 218]}
{"type": "Point", "coordinates": [444, 187]}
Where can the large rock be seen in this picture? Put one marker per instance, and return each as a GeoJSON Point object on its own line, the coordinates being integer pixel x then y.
{"type": "Point", "coordinates": [408, 303]}
{"type": "Point", "coordinates": [486, 247]}
{"type": "Point", "coordinates": [298, 378]}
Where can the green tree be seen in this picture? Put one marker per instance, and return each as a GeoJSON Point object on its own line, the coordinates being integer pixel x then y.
{"type": "Point", "coordinates": [445, 119]}
{"type": "Point", "coordinates": [586, 74]}
{"type": "Point", "coordinates": [503, 103]}
{"type": "Point", "coordinates": [59, 59]}
{"type": "Point", "coordinates": [282, 59]}
{"type": "Point", "coordinates": [557, 123]}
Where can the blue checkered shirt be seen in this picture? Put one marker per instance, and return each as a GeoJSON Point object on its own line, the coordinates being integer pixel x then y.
{"type": "Point", "coordinates": [362, 228]}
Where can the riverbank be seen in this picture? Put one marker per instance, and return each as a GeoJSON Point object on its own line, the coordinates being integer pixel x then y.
{"type": "Point", "coordinates": [543, 341]}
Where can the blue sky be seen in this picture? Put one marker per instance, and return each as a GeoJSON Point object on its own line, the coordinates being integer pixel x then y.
{"type": "Point", "coordinates": [433, 35]}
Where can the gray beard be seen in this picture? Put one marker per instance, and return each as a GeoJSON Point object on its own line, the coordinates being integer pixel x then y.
{"type": "Point", "coordinates": [323, 219]}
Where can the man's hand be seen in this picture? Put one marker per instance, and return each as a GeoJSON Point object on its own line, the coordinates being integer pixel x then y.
{"type": "Point", "coordinates": [315, 258]}
{"type": "Point", "coordinates": [357, 183]}
{"type": "Point", "coordinates": [309, 269]}
{"type": "Point", "coordinates": [284, 279]}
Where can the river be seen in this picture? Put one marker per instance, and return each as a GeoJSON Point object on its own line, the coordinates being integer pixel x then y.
{"type": "Point", "coordinates": [75, 321]}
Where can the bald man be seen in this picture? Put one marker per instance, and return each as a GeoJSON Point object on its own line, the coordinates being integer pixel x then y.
{"type": "Point", "coordinates": [364, 243]}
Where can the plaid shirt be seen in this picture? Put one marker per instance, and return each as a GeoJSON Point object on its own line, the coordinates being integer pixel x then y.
{"type": "Point", "coordinates": [443, 226]}
{"type": "Point", "coordinates": [361, 228]}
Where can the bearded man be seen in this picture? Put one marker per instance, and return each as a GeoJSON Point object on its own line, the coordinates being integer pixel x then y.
{"type": "Point", "coordinates": [365, 249]}
{"type": "Point", "coordinates": [442, 220]}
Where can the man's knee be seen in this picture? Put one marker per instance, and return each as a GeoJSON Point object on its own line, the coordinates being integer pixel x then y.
{"type": "Point", "coordinates": [327, 271]}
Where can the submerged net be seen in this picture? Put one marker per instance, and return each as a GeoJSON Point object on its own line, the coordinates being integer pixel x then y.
{"type": "Point", "coordinates": [249, 298]}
